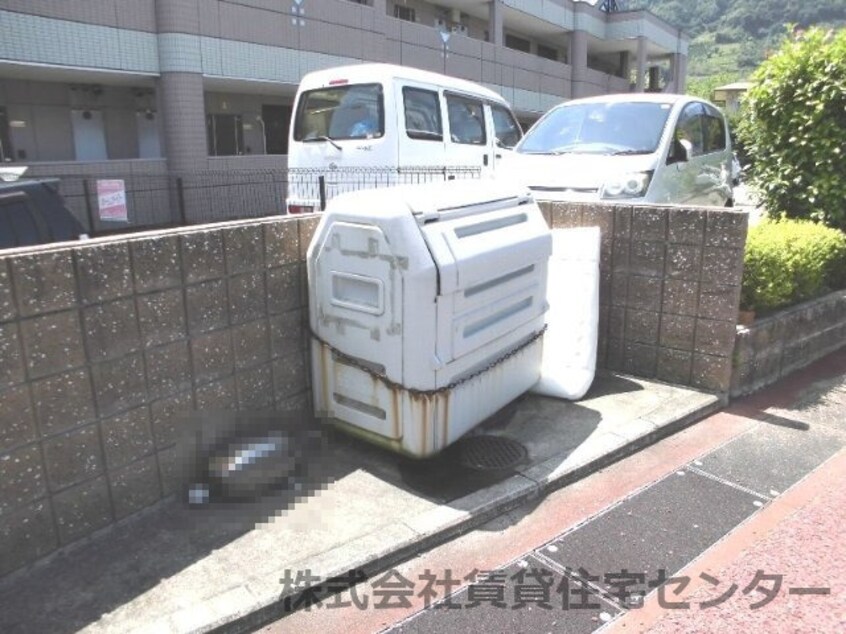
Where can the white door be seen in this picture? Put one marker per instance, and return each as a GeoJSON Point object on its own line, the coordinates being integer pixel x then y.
{"type": "Point", "coordinates": [681, 180]}
{"type": "Point", "coordinates": [420, 126]}
{"type": "Point", "coordinates": [506, 132]}
{"type": "Point", "coordinates": [148, 135]}
{"type": "Point", "coordinates": [89, 135]}
{"type": "Point", "coordinates": [469, 141]}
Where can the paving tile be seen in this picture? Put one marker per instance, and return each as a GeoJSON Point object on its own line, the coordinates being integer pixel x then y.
{"type": "Point", "coordinates": [566, 612]}
{"type": "Point", "coordinates": [771, 457]}
{"type": "Point", "coordinates": [661, 528]}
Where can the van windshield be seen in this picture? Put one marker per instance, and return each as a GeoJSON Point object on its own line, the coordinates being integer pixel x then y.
{"type": "Point", "coordinates": [598, 128]}
{"type": "Point", "coordinates": [341, 112]}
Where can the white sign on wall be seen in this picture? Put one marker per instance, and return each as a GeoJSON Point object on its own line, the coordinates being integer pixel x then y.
{"type": "Point", "coordinates": [111, 200]}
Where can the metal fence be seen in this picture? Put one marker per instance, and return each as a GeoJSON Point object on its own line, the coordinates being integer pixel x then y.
{"type": "Point", "coordinates": [314, 186]}
{"type": "Point", "coordinates": [169, 200]}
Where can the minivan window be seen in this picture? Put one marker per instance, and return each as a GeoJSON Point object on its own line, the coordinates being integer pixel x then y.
{"type": "Point", "coordinates": [24, 230]}
{"type": "Point", "coordinates": [354, 111]}
{"type": "Point", "coordinates": [466, 120]}
{"type": "Point", "coordinates": [689, 128]}
{"type": "Point", "coordinates": [422, 114]}
{"type": "Point", "coordinates": [506, 129]}
{"type": "Point", "coordinates": [715, 134]}
{"type": "Point", "coordinates": [7, 233]}
{"type": "Point", "coordinates": [598, 128]}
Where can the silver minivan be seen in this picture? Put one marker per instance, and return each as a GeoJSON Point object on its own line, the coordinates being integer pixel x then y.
{"type": "Point", "coordinates": [651, 148]}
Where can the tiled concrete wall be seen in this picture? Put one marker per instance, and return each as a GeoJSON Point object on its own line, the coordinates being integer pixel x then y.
{"type": "Point", "coordinates": [75, 42]}
{"type": "Point", "coordinates": [773, 347]}
{"type": "Point", "coordinates": [123, 14]}
{"type": "Point", "coordinates": [669, 289]}
{"type": "Point", "coordinates": [104, 345]}
{"type": "Point", "coordinates": [263, 40]}
{"type": "Point", "coordinates": [185, 135]}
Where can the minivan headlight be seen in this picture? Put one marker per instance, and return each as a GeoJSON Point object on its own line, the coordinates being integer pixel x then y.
{"type": "Point", "coordinates": [632, 185]}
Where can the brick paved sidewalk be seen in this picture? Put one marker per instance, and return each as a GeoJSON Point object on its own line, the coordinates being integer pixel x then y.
{"type": "Point", "coordinates": [799, 548]}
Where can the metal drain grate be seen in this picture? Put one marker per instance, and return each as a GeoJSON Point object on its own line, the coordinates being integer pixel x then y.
{"type": "Point", "coordinates": [490, 453]}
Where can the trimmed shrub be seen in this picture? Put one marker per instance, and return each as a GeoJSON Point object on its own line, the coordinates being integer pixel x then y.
{"type": "Point", "coordinates": [791, 261]}
{"type": "Point", "coordinates": [794, 128]}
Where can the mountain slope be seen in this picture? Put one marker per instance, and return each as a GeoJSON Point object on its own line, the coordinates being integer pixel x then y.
{"type": "Point", "coordinates": [731, 37]}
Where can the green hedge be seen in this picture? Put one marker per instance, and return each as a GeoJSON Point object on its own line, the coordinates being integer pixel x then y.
{"type": "Point", "coordinates": [790, 261]}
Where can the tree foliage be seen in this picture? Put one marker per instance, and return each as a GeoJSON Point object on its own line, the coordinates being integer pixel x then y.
{"type": "Point", "coordinates": [794, 128]}
{"type": "Point", "coordinates": [703, 87]}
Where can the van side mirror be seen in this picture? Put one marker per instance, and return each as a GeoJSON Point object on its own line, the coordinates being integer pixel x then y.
{"type": "Point", "coordinates": [680, 152]}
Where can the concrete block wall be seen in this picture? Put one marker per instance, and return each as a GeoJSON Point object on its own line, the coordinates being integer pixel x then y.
{"type": "Point", "coordinates": [105, 345]}
{"type": "Point", "coordinates": [669, 289]}
{"type": "Point", "coordinates": [773, 347]}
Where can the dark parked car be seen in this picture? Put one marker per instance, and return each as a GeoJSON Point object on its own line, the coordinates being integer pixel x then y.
{"type": "Point", "coordinates": [32, 212]}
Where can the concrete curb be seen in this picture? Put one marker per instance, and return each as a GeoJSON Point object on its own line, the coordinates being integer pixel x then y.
{"type": "Point", "coordinates": [387, 547]}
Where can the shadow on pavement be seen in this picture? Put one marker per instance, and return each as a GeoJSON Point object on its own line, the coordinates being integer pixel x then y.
{"type": "Point", "coordinates": [76, 586]}
{"type": "Point", "coordinates": [120, 569]}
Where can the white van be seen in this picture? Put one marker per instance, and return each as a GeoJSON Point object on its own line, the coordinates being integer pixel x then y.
{"type": "Point", "coordinates": [650, 148]}
{"type": "Point", "coordinates": [379, 124]}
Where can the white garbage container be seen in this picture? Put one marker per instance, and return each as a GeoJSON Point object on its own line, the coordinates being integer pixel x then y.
{"type": "Point", "coordinates": [427, 309]}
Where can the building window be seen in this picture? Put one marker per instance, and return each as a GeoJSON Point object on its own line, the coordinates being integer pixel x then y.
{"type": "Point", "coordinates": [517, 43]}
{"type": "Point", "coordinates": [548, 52]}
{"type": "Point", "coordinates": [276, 121]}
{"type": "Point", "coordinates": [405, 13]}
{"type": "Point", "coordinates": [225, 134]}
{"type": "Point", "coordinates": [6, 153]}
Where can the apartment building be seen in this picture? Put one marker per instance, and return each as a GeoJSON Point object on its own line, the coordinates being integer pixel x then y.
{"type": "Point", "coordinates": [154, 86]}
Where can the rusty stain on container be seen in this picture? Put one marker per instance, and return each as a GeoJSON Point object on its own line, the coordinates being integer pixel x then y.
{"type": "Point", "coordinates": [395, 411]}
{"type": "Point", "coordinates": [324, 366]}
{"type": "Point", "coordinates": [428, 414]}
{"type": "Point", "coordinates": [374, 391]}
{"type": "Point", "coordinates": [445, 421]}
{"type": "Point", "coordinates": [425, 420]}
